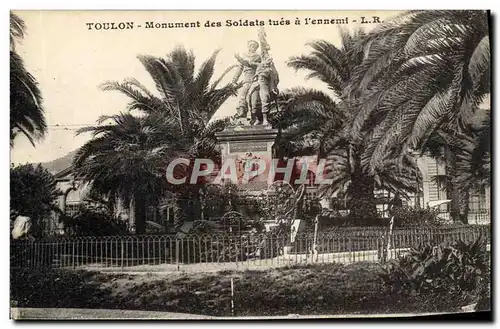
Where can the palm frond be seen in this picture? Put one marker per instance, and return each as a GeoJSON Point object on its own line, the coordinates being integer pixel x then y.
{"type": "Point", "coordinates": [26, 111]}
{"type": "Point", "coordinates": [166, 77]}
{"type": "Point", "coordinates": [480, 61]}
{"type": "Point", "coordinates": [205, 73]}
{"type": "Point", "coordinates": [17, 29]}
{"type": "Point", "coordinates": [184, 62]}
{"type": "Point", "coordinates": [319, 69]}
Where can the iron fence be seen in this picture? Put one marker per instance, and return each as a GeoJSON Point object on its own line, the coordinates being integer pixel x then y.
{"type": "Point", "coordinates": [196, 252]}
{"type": "Point", "coordinates": [477, 217]}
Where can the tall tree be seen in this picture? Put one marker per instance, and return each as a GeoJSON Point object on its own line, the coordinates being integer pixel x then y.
{"type": "Point", "coordinates": [423, 72]}
{"type": "Point", "coordinates": [33, 193]}
{"type": "Point", "coordinates": [470, 173]}
{"type": "Point", "coordinates": [26, 110]}
{"type": "Point", "coordinates": [327, 126]}
{"type": "Point", "coordinates": [121, 160]}
{"type": "Point", "coordinates": [173, 122]}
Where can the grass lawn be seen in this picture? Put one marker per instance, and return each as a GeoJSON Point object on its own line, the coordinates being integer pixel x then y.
{"type": "Point", "coordinates": [326, 289]}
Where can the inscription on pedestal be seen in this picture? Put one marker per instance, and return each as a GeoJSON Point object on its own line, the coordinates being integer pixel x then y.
{"type": "Point", "coordinates": [247, 147]}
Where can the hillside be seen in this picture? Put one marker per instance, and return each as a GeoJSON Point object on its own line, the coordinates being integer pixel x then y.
{"type": "Point", "coordinates": [59, 164]}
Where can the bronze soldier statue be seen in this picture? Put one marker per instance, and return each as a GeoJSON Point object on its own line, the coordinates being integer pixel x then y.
{"type": "Point", "coordinates": [247, 67]}
{"type": "Point", "coordinates": [264, 88]}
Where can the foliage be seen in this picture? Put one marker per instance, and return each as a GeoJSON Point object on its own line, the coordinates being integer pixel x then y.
{"type": "Point", "coordinates": [204, 227]}
{"type": "Point", "coordinates": [53, 288]}
{"type": "Point", "coordinates": [17, 29]}
{"type": "Point", "coordinates": [416, 217]}
{"type": "Point", "coordinates": [127, 158]}
{"type": "Point", "coordinates": [33, 193]}
{"type": "Point", "coordinates": [26, 110]}
{"type": "Point", "coordinates": [335, 220]}
{"type": "Point", "coordinates": [188, 99]}
{"type": "Point", "coordinates": [236, 223]}
{"type": "Point", "coordinates": [422, 71]}
{"type": "Point", "coordinates": [93, 221]}
{"type": "Point", "coordinates": [466, 156]}
{"type": "Point", "coordinates": [411, 78]}
{"type": "Point", "coordinates": [266, 205]}
{"type": "Point", "coordinates": [300, 289]}
{"type": "Point", "coordinates": [220, 199]}
{"type": "Point", "coordinates": [459, 271]}
{"type": "Point", "coordinates": [121, 161]}
{"type": "Point", "coordinates": [474, 158]}
{"type": "Point", "coordinates": [310, 208]}
{"type": "Point", "coordinates": [326, 131]}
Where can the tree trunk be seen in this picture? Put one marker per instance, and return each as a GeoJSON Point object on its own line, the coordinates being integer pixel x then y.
{"type": "Point", "coordinates": [453, 189]}
{"type": "Point", "coordinates": [363, 209]}
{"type": "Point", "coordinates": [464, 207]}
{"type": "Point", "coordinates": [139, 211]}
{"type": "Point", "coordinates": [189, 205]}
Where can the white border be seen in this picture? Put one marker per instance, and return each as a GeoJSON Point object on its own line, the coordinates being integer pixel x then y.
{"type": "Point", "coordinates": [184, 4]}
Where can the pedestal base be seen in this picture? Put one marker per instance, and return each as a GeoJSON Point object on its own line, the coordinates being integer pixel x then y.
{"type": "Point", "coordinates": [248, 145]}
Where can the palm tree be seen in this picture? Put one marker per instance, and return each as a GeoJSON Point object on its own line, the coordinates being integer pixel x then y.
{"type": "Point", "coordinates": [17, 29]}
{"type": "Point", "coordinates": [471, 172]}
{"type": "Point", "coordinates": [310, 120]}
{"type": "Point", "coordinates": [327, 126]}
{"type": "Point", "coordinates": [26, 111]}
{"type": "Point", "coordinates": [122, 161]}
{"type": "Point", "coordinates": [423, 72]}
{"type": "Point", "coordinates": [136, 149]}
{"type": "Point", "coordinates": [189, 99]}
{"type": "Point", "coordinates": [474, 162]}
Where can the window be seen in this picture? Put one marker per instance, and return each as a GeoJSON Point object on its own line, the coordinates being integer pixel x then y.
{"type": "Point", "coordinates": [478, 203]}
{"type": "Point", "coordinates": [382, 199]}
{"type": "Point", "coordinates": [72, 209]}
{"type": "Point", "coordinates": [73, 196]}
{"type": "Point", "coordinates": [311, 195]}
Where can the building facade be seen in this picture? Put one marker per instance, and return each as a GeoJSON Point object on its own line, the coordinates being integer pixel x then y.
{"type": "Point", "coordinates": [74, 193]}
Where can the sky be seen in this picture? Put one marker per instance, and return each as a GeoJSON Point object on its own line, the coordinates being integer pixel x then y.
{"type": "Point", "coordinates": [70, 61]}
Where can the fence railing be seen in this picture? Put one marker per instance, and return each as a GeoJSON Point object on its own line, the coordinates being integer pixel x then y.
{"type": "Point", "coordinates": [170, 252]}
{"type": "Point", "coordinates": [482, 217]}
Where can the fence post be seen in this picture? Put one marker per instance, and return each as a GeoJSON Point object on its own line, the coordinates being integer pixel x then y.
{"type": "Point", "coordinates": [177, 253]}
{"type": "Point", "coordinates": [349, 246]}
{"type": "Point", "coordinates": [232, 296]}
{"type": "Point", "coordinates": [73, 254]}
{"type": "Point", "coordinates": [378, 236]}
{"type": "Point", "coordinates": [123, 247]}
{"type": "Point", "coordinates": [236, 249]}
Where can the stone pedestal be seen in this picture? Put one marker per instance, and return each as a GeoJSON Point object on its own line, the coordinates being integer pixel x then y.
{"type": "Point", "coordinates": [243, 143]}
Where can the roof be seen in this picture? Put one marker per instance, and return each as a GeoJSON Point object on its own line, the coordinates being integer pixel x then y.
{"type": "Point", "coordinates": [61, 164]}
{"type": "Point", "coordinates": [63, 173]}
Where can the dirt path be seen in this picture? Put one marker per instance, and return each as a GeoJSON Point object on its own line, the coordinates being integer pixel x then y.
{"type": "Point", "coordinates": [100, 314]}
{"type": "Point", "coordinates": [94, 314]}
{"type": "Point", "coordinates": [254, 265]}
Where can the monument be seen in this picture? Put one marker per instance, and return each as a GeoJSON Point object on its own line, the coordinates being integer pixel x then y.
{"type": "Point", "coordinates": [260, 83]}
{"type": "Point", "coordinates": [250, 136]}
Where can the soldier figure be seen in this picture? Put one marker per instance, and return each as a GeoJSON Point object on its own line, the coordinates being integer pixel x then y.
{"type": "Point", "coordinates": [248, 66]}
{"type": "Point", "coordinates": [264, 88]}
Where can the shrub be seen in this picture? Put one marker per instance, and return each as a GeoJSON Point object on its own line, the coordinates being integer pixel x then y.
{"type": "Point", "coordinates": [33, 193]}
{"type": "Point", "coordinates": [459, 271]}
{"type": "Point", "coordinates": [93, 221]}
{"type": "Point", "coordinates": [409, 216]}
{"type": "Point", "coordinates": [54, 288]}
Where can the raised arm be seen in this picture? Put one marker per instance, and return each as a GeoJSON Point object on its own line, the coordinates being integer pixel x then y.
{"type": "Point", "coordinates": [237, 74]}
{"type": "Point", "coordinates": [253, 63]}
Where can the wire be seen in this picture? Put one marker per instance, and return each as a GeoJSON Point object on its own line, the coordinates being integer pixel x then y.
{"type": "Point", "coordinates": [72, 125]}
{"type": "Point", "coordinates": [69, 127]}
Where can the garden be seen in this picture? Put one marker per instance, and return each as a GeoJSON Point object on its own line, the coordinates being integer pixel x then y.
{"type": "Point", "coordinates": [410, 90]}
{"type": "Point", "coordinates": [429, 279]}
